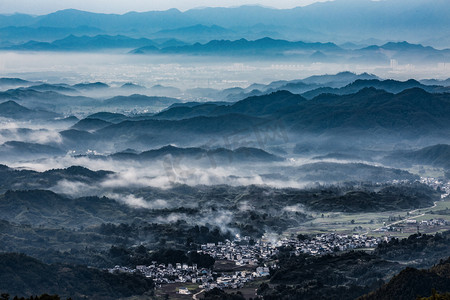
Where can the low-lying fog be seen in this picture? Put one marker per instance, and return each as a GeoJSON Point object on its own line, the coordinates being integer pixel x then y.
{"type": "Point", "coordinates": [292, 160]}
{"type": "Point", "coordinates": [185, 72]}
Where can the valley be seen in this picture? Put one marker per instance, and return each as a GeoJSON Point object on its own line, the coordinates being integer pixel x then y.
{"type": "Point", "coordinates": [242, 187]}
{"type": "Point", "coordinates": [225, 153]}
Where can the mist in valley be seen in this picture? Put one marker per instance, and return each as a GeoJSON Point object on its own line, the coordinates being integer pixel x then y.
{"type": "Point", "coordinates": [186, 72]}
{"type": "Point", "coordinates": [302, 146]}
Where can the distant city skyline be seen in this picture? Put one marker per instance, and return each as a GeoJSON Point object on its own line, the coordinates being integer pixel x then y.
{"type": "Point", "coordinates": [39, 7]}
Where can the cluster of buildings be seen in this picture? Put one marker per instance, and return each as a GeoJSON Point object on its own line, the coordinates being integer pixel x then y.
{"type": "Point", "coordinates": [331, 242]}
{"type": "Point", "coordinates": [241, 254]}
{"type": "Point", "coordinates": [262, 251]}
{"type": "Point", "coordinates": [183, 273]}
{"type": "Point", "coordinates": [162, 273]}
{"type": "Point", "coordinates": [253, 256]}
{"type": "Point", "coordinates": [235, 280]}
{"type": "Point", "coordinates": [422, 224]}
{"type": "Point", "coordinates": [430, 223]}
{"type": "Point", "coordinates": [436, 183]}
{"type": "Point", "coordinates": [406, 225]}
{"type": "Point", "coordinates": [434, 222]}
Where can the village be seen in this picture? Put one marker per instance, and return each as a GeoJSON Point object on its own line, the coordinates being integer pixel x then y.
{"type": "Point", "coordinates": [255, 257]}
{"type": "Point", "coordinates": [263, 251]}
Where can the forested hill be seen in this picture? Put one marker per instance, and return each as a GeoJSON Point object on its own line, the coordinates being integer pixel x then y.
{"type": "Point", "coordinates": [24, 276]}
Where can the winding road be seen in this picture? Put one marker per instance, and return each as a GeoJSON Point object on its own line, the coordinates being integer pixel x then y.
{"type": "Point", "coordinates": [404, 220]}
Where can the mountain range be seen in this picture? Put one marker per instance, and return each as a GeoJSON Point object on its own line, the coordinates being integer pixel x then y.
{"type": "Point", "coordinates": [340, 83]}
{"type": "Point", "coordinates": [242, 46]}
{"type": "Point", "coordinates": [403, 52]}
{"type": "Point", "coordinates": [336, 111]}
{"type": "Point", "coordinates": [357, 107]}
{"type": "Point", "coordinates": [387, 110]}
{"type": "Point", "coordinates": [198, 155]}
{"type": "Point", "coordinates": [411, 114]}
{"type": "Point", "coordinates": [13, 110]}
{"type": "Point", "coordinates": [335, 21]}
{"type": "Point", "coordinates": [26, 179]}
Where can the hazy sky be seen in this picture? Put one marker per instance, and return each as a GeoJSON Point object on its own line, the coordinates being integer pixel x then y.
{"type": "Point", "coordinates": [121, 6]}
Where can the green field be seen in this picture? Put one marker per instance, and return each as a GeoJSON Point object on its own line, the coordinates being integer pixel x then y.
{"type": "Point", "coordinates": [366, 223]}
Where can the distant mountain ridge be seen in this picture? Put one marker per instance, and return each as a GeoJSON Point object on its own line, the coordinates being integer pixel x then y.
{"type": "Point", "coordinates": [141, 100]}
{"type": "Point", "coordinates": [11, 109]}
{"type": "Point", "coordinates": [212, 156]}
{"type": "Point", "coordinates": [26, 179]}
{"type": "Point", "coordinates": [252, 106]}
{"type": "Point", "coordinates": [261, 47]}
{"type": "Point", "coordinates": [389, 85]}
{"type": "Point", "coordinates": [336, 111]}
{"type": "Point", "coordinates": [369, 109]}
{"type": "Point", "coordinates": [85, 43]}
{"type": "Point", "coordinates": [242, 47]}
{"type": "Point", "coordinates": [302, 86]}
{"type": "Point", "coordinates": [411, 114]}
{"type": "Point", "coordinates": [332, 21]}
